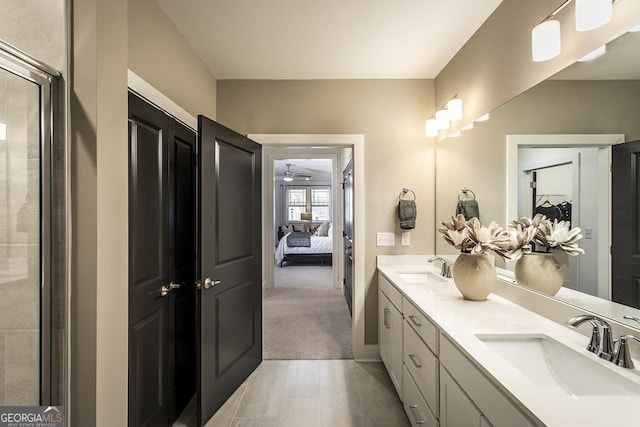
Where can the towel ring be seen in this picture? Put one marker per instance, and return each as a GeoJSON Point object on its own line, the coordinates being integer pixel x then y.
{"type": "Point", "coordinates": [465, 190]}
{"type": "Point", "coordinates": [404, 191]}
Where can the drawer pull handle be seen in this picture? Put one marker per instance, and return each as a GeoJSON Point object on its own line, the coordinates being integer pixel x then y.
{"type": "Point", "coordinates": [386, 318]}
{"type": "Point", "coordinates": [417, 416]}
{"type": "Point", "coordinates": [415, 360]}
{"type": "Point", "coordinates": [415, 322]}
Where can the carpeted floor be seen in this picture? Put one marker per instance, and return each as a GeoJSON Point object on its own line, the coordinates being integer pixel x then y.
{"type": "Point", "coordinates": [304, 317]}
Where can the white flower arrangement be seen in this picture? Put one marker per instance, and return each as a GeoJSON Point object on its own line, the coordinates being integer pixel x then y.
{"type": "Point", "coordinates": [528, 234]}
{"type": "Point", "coordinates": [469, 236]}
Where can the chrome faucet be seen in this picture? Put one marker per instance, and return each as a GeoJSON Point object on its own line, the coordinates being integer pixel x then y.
{"type": "Point", "coordinates": [600, 343]}
{"type": "Point", "coordinates": [445, 271]}
{"type": "Point", "coordinates": [621, 356]}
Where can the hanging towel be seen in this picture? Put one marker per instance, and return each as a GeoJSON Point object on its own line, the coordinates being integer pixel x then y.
{"type": "Point", "coordinates": [407, 213]}
{"type": "Point", "coordinates": [468, 208]}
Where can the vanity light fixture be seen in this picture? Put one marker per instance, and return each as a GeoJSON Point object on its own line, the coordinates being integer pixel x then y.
{"type": "Point", "coordinates": [594, 54]}
{"type": "Point", "coordinates": [592, 14]}
{"type": "Point", "coordinates": [442, 119]}
{"type": "Point", "coordinates": [483, 118]}
{"type": "Point", "coordinates": [589, 15]}
{"type": "Point", "coordinates": [3, 131]}
{"type": "Point", "coordinates": [432, 127]}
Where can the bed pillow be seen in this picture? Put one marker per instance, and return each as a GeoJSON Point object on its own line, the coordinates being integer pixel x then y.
{"type": "Point", "coordinates": [298, 227]}
{"type": "Point", "coordinates": [323, 229]}
{"type": "Point", "coordinates": [286, 228]}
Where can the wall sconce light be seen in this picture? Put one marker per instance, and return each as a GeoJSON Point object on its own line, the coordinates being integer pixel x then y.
{"type": "Point", "coordinates": [442, 119]}
{"type": "Point", "coordinates": [432, 127]}
{"type": "Point", "coordinates": [3, 131]}
{"type": "Point", "coordinates": [545, 41]}
{"type": "Point", "coordinates": [592, 14]}
{"type": "Point", "coordinates": [454, 106]}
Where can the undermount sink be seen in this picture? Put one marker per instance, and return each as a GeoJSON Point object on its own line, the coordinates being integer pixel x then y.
{"type": "Point", "coordinates": [556, 368]}
{"type": "Point", "coordinates": [420, 276]}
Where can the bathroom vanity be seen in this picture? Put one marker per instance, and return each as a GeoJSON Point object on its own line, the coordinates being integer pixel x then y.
{"type": "Point", "coordinates": [492, 363]}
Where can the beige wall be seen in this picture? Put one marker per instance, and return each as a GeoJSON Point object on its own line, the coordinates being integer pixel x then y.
{"type": "Point", "coordinates": [35, 27]}
{"type": "Point", "coordinates": [495, 64]}
{"type": "Point", "coordinates": [391, 115]}
{"type": "Point", "coordinates": [99, 181]}
{"type": "Point", "coordinates": [477, 159]}
{"type": "Point", "coordinates": [162, 57]}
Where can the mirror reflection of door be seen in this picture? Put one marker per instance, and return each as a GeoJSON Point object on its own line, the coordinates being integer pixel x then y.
{"type": "Point", "coordinates": [550, 185]}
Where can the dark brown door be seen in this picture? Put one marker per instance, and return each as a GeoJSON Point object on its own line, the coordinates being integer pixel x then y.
{"type": "Point", "coordinates": [162, 245]}
{"type": "Point", "coordinates": [347, 185]}
{"type": "Point", "coordinates": [148, 266]}
{"type": "Point", "coordinates": [625, 224]}
{"type": "Point", "coordinates": [229, 298]}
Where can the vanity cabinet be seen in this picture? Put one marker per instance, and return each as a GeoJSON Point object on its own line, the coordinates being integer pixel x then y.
{"type": "Point", "coordinates": [456, 409]}
{"type": "Point", "coordinates": [420, 357]}
{"type": "Point", "coordinates": [390, 335]}
{"type": "Point", "coordinates": [469, 398]}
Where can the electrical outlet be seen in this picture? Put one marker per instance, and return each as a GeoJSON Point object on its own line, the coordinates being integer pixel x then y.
{"type": "Point", "coordinates": [406, 238]}
{"type": "Point", "coordinates": [385, 239]}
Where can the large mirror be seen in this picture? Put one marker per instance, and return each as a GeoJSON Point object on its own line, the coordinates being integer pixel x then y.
{"type": "Point", "coordinates": [563, 130]}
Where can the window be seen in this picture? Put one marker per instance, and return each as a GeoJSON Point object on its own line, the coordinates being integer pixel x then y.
{"type": "Point", "coordinates": [312, 198]}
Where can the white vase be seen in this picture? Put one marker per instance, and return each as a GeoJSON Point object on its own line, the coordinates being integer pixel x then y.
{"type": "Point", "coordinates": [540, 272]}
{"type": "Point", "coordinates": [474, 276]}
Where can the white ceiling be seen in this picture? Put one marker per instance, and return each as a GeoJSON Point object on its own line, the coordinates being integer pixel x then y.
{"type": "Point", "coordinates": [330, 39]}
{"type": "Point", "coordinates": [316, 169]}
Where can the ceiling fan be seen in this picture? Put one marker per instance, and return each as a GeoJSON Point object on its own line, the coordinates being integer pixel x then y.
{"type": "Point", "coordinates": [289, 174]}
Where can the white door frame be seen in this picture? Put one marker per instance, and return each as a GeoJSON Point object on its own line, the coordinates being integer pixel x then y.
{"type": "Point", "coordinates": [307, 141]}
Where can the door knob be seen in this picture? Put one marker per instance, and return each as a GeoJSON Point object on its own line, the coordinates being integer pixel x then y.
{"type": "Point", "coordinates": [165, 289]}
{"type": "Point", "coordinates": [208, 283]}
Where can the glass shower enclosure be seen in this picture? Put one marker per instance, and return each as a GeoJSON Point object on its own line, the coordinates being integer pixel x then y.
{"type": "Point", "coordinates": [31, 208]}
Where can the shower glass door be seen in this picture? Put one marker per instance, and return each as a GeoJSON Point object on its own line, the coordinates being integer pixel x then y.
{"type": "Point", "coordinates": [25, 236]}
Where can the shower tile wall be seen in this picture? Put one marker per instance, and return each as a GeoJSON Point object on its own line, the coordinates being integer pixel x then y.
{"type": "Point", "coordinates": [19, 242]}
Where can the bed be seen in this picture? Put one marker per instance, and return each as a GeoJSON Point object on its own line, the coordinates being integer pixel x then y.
{"type": "Point", "coordinates": [319, 250]}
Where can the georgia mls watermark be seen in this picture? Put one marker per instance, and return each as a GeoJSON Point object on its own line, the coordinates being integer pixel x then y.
{"type": "Point", "coordinates": [31, 416]}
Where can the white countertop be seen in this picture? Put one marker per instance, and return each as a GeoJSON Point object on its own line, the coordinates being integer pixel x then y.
{"type": "Point", "coordinates": [461, 320]}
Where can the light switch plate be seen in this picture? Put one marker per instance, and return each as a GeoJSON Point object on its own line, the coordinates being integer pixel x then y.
{"type": "Point", "coordinates": [406, 238]}
{"type": "Point", "coordinates": [385, 239]}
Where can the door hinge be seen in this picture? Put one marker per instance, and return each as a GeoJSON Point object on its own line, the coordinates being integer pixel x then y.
{"type": "Point", "coordinates": [198, 284]}
{"type": "Point", "coordinates": [532, 184]}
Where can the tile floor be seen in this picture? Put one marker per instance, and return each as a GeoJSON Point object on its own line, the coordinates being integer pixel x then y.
{"type": "Point", "coordinates": [314, 393]}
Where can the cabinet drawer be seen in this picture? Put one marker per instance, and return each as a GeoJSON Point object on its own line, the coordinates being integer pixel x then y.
{"type": "Point", "coordinates": [422, 364]}
{"type": "Point", "coordinates": [390, 291]}
{"type": "Point", "coordinates": [485, 395]}
{"type": "Point", "coordinates": [414, 405]}
{"type": "Point", "coordinates": [424, 328]}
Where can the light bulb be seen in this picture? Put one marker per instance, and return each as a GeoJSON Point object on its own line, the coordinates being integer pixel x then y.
{"type": "Point", "coordinates": [442, 117]}
{"type": "Point", "coordinates": [545, 41]}
{"type": "Point", "coordinates": [432, 127]}
{"type": "Point", "coordinates": [454, 106]}
{"type": "Point", "coordinates": [592, 14]}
